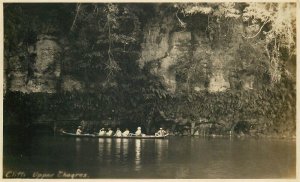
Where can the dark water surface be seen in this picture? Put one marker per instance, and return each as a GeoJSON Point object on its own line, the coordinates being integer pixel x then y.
{"type": "Point", "coordinates": [176, 157]}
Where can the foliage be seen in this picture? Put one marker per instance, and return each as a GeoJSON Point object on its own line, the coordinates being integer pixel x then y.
{"type": "Point", "coordinates": [228, 10]}
{"type": "Point", "coordinates": [268, 45]}
{"type": "Point", "coordinates": [279, 36]}
{"type": "Point", "coordinates": [102, 43]}
{"type": "Point", "coordinates": [273, 25]}
{"type": "Point", "coordinates": [24, 21]}
{"type": "Point", "coordinates": [107, 39]}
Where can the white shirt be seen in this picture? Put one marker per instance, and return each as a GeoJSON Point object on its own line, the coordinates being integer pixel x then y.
{"type": "Point", "coordinates": [102, 132]}
{"type": "Point", "coordinates": [118, 133]}
{"type": "Point", "coordinates": [126, 133]}
{"type": "Point", "coordinates": [109, 133]}
{"type": "Point", "coordinates": [138, 132]}
{"type": "Point", "coordinates": [161, 133]}
{"type": "Point", "coordinates": [78, 131]}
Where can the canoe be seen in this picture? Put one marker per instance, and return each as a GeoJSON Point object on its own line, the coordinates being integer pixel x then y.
{"type": "Point", "coordinates": [98, 136]}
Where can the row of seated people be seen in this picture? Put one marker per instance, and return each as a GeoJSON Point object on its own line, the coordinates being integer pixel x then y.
{"type": "Point", "coordinates": [119, 133]}
{"type": "Point", "coordinates": [110, 132]}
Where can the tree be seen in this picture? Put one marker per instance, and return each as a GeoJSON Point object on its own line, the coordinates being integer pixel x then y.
{"type": "Point", "coordinates": [277, 24]}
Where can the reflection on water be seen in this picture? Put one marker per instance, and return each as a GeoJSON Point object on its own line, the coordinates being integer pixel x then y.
{"type": "Point", "coordinates": [161, 146]}
{"type": "Point", "coordinates": [125, 144]}
{"type": "Point", "coordinates": [78, 146]}
{"type": "Point", "coordinates": [176, 157]}
{"type": "Point", "coordinates": [108, 146]}
{"type": "Point", "coordinates": [118, 148]}
{"type": "Point", "coordinates": [182, 172]}
{"type": "Point", "coordinates": [101, 149]}
{"type": "Point", "coordinates": [138, 154]}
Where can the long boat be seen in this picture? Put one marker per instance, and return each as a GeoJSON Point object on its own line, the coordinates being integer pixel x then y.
{"type": "Point", "coordinates": [99, 136]}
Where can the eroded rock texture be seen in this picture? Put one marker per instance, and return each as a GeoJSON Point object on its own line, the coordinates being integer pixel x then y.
{"type": "Point", "coordinates": [39, 69]}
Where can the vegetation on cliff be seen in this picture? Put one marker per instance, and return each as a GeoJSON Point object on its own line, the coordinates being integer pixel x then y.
{"type": "Point", "coordinates": [101, 53]}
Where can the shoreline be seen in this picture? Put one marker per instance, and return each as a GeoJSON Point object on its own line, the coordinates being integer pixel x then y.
{"type": "Point", "coordinates": [264, 136]}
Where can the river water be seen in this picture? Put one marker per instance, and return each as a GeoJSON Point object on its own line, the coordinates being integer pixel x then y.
{"type": "Point", "coordinates": [175, 157]}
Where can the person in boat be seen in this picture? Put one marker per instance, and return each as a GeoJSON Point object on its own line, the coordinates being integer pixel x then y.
{"type": "Point", "coordinates": [160, 132]}
{"type": "Point", "coordinates": [126, 132]}
{"type": "Point", "coordinates": [118, 133]}
{"type": "Point", "coordinates": [62, 130]}
{"type": "Point", "coordinates": [78, 131]}
{"type": "Point", "coordinates": [110, 132]}
{"type": "Point", "coordinates": [138, 132]}
{"type": "Point", "coordinates": [102, 132]}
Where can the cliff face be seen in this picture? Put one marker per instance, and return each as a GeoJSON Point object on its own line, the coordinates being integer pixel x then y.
{"type": "Point", "coordinates": [47, 67]}
{"type": "Point", "coordinates": [157, 47]}
{"type": "Point", "coordinates": [207, 69]}
{"type": "Point", "coordinates": [215, 65]}
{"type": "Point", "coordinates": [210, 65]}
{"type": "Point", "coordinates": [40, 70]}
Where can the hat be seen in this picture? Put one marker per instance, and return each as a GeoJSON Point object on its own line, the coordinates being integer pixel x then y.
{"type": "Point", "coordinates": [139, 128]}
{"type": "Point", "coordinates": [160, 128]}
